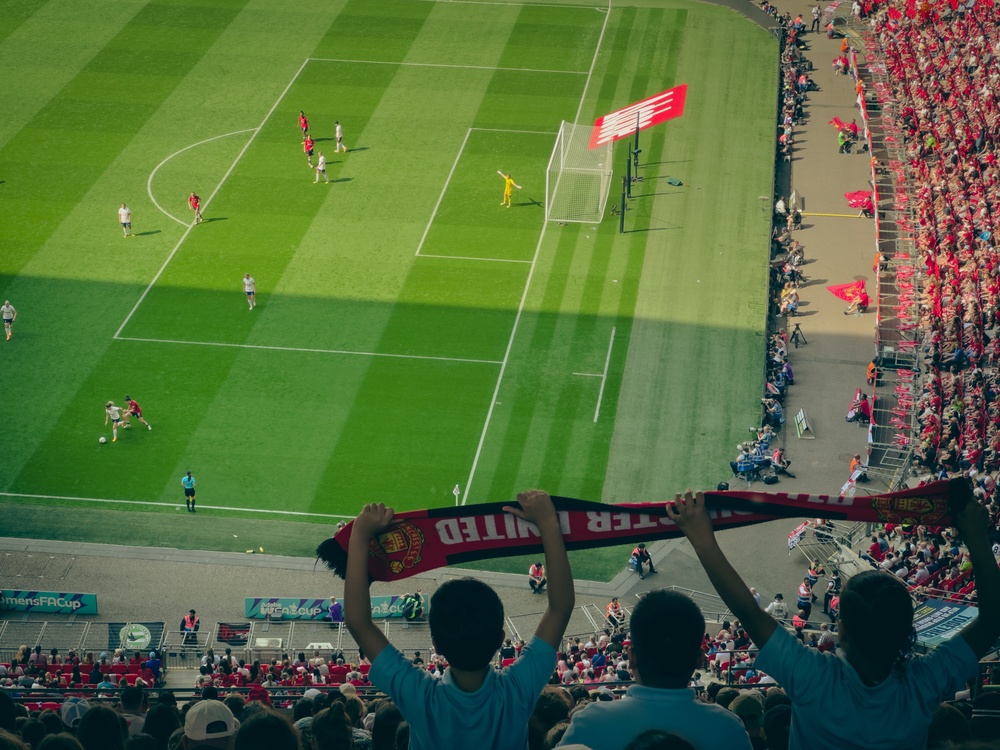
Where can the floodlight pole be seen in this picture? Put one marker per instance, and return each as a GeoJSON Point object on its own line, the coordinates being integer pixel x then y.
{"type": "Point", "coordinates": [621, 215]}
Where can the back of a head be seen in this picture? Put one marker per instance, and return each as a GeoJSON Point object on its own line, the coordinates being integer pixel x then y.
{"type": "Point", "coordinates": [10, 741]}
{"type": "Point", "coordinates": [948, 724]}
{"type": "Point", "coordinates": [387, 720]}
{"type": "Point", "coordinates": [60, 741]}
{"type": "Point", "coordinates": [102, 728]}
{"type": "Point", "coordinates": [331, 729]}
{"type": "Point", "coordinates": [876, 612]}
{"type": "Point", "coordinates": [777, 725]}
{"type": "Point", "coordinates": [656, 739]}
{"type": "Point", "coordinates": [131, 699]}
{"type": "Point", "coordinates": [466, 622]}
{"type": "Point", "coordinates": [141, 742]}
{"type": "Point", "coordinates": [666, 630]}
{"type": "Point", "coordinates": [355, 708]}
{"type": "Point", "coordinates": [266, 730]}
{"type": "Point", "coordinates": [162, 720]}
{"type": "Point", "coordinates": [8, 713]}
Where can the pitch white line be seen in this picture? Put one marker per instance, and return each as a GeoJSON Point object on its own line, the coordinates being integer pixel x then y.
{"type": "Point", "coordinates": [512, 5]}
{"type": "Point", "coordinates": [167, 505]}
{"type": "Point", "coordinates": [604, 377]}
{"type": "Point", "coordinates": [308, 350]}
{"type": "Point", "coordinates": [512, 130]}
{"type": "Point", "coordinates": [469, 257]}
{"type": "Point", "coordinates": [445, 65]}
{"type": "Point", "coordinates": [149, 182]}
{"type": "Point", "coordinates": [250, 140]}
{"type": "Point", "coordinates": [593, 63]}
{"type": "Point", "coordinates": [527, 286]}
{"type": "Point", "coordinates": [444, 188]}
{"type": "Point", "coordinates": [589, 374]}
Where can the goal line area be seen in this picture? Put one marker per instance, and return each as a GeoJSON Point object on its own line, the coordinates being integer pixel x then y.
{"type": "Point", "coordinates": [578, 178]}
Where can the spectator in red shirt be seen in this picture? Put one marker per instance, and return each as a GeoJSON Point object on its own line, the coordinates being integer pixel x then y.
{"type": "Point", "coordinates": [536, 578]}
{"type": "Point", "coordinates": [875, 550]}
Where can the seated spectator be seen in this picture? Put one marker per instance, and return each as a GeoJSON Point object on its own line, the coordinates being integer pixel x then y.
{"type": "Point", "coordinates": [661, 698]}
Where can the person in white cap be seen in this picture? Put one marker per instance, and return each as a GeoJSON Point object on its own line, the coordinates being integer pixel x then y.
{"type": "Point", "coordinates": [209, 724]}
{"type": "Point", "coordinates": [71, 711]}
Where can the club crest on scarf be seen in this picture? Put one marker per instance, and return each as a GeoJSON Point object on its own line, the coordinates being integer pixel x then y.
{"type": "Point", "coordinates": [399, 547]}
{"type": "Point", "coordinates": [908, 510]}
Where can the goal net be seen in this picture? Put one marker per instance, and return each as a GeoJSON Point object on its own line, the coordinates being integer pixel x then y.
{"type": "Point", "coordinates": [578, 179]}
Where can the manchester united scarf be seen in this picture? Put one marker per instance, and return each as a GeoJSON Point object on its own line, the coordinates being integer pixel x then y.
{"type": "Point", "coordinates": [419, 541]}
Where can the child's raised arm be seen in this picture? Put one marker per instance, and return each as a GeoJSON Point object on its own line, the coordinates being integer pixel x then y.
{"type": "Point", "coordinates": [357, 599]}
{"type": "Point", "coordinates": [691, 517]}
{"type": "Point", "coordinates": [973, 523]}
{"type": "Point", "coordinates": [536, 507]}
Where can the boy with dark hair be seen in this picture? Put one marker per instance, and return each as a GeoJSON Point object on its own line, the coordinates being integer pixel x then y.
{"type": "Point", "coordinates": [878, 694]}
{"type": "Point", "coordinates": [472, 705]}
{"type": "Point", "coordinates": [666, 633]}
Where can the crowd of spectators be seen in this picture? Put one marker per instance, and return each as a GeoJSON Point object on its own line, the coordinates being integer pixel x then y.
{"type": "Point", "coordinates": [34, 670]}
{"type": "Point", "coordinates": [756, 458]}
{"type": "Point", "coordinates": [943, 75]}
{"type": "Point", "coordinates": [941, 108]}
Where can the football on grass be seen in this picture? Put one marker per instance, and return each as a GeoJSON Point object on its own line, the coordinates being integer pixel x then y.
{"type": "Point", "coordinates": [102, 440]}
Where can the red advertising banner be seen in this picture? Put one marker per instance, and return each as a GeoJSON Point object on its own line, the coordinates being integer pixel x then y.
{"type": "Point", "coordinates": [651, 111]}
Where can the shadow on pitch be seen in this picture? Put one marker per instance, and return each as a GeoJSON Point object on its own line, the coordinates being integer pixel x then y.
{"type": "Point", "coordinates": [356, 148]}
{"type": "Point", "coordinates": [146, 234]}
{"type": "Point", "coordinates": [532, 202]}
{"type": "Point", "coordinates": [341, 179]}
{"type": "Point", "coordinates": [214, 218]}
{"type": "Point", "coordinates": [660, 163]}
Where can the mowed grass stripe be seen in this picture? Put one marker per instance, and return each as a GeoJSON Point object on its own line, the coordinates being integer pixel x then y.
{"type": "Point", "coordinates": [59, 349]}
{"type": "Point", "coordinates": [455, 305]}
{"type": "Point", "coordinates": [60, 346]}
{"type": "Point", "coordinates": [539, 373]}
{"type": "Point", "coordinates": [409, 438]}
{"type": "Point", "coordinates": [12, 15]}
{"type": "Point", "coordinates": [695, 359]}
{"type": "Point", "coordinates": [43, 45]}
{"type": "Point", "coordinates": [94, 116]}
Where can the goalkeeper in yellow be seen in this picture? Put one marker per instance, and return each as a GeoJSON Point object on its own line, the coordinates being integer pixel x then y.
{"type": "Point", "coordinates": [508, 188]}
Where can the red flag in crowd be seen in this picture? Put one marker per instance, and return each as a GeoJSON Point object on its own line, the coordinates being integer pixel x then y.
{"type": "Point", "coordinates": [848, 292]}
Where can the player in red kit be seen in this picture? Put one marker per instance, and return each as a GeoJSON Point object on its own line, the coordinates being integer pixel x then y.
{"type": "Point", "coordinates": [304, 124]}
{"type": "Point", "coordinates": [132, 409]}
{"type": "Point", "coordinates": [194, 202]}
{"type": "Point", "coordinates": [307, 146]}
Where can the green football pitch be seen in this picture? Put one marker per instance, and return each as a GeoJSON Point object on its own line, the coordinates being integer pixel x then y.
{"type": "Point", "coordinates": [411, 335]}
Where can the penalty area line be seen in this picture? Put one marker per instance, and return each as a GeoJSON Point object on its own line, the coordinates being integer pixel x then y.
{"type": "Point", "coordinates": [446, 65]}
{"type": "Point", "coordinates": [604, 375]}
{"type": "Point", "coordinates": [444, 189]}
{"type": "Point", "coordinates": [105, 500]}
{"type": "Point", "coordinates": [307, 350]}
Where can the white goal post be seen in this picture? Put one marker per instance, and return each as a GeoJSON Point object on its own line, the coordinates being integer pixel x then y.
{"type": "Point", "coordinates": [578, 179]}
